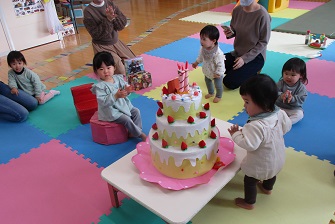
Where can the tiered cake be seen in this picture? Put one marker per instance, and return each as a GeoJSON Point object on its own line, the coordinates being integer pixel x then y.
{"type": "Point", "coordinates": [184, 140]}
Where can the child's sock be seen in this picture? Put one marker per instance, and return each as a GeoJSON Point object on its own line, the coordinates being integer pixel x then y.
{"type": "Point", "coordinates": [45, 97]}
{"type": "Point", "coordinates": [55, 92]}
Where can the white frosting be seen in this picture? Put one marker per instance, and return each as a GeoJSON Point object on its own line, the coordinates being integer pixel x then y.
{"type": "Point", "coordinates": [175, 101]}
{"type": "Point", "coordinates": [192, 153]}
{"type": "Point", "coordinates": [182, 128]}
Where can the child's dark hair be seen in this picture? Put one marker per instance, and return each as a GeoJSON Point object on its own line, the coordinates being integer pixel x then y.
{"type": "Point", "coordinates": [15, 56]}
{"type": "Point", "coordinates": [211, 32]}
{"type": "Point", "coordinates": [296, 65]}
{"type": "Point", "coordinates": [262, 90]}
{"type": "Point", "coordinates": [102, 57]}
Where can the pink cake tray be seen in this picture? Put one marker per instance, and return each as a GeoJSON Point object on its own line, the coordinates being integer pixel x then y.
{"type": "Point", "coordinates": [142, 161]}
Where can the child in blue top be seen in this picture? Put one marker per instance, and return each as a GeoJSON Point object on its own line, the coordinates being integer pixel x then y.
{"type": "Point", "coordinates": [21, 77]}
{"type": "Point", "coordinates": [292, 91]}
{"type": "Point", "coordinates": [112, 92]}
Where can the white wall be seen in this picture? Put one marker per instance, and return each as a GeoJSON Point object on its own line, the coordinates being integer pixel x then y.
{"type": "Point", "coordinates": [25, 31]}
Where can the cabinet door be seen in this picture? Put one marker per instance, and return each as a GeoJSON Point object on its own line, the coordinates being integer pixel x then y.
{"type": "Point", "coordinates": [4, 42]}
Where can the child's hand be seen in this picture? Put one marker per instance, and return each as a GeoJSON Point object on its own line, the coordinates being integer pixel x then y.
{"type": "Point", "coordinates": [121, 93]}
{"type": "Point", "coordinates": [129, 89]}
{"type": "Point", "coordinates": [195, 65]}
{"type": "Point", "coordinates": [234, 128]}
{"type": "Point", "coordinates": [14, 91]}
{"type": "Point", "coordinates": [216, 76]}
{"type": "Point", "coordinates": [287, 96]}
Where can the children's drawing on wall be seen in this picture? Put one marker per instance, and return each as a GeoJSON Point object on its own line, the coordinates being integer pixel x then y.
{"type": "Point", "coordinates": [27, 7]}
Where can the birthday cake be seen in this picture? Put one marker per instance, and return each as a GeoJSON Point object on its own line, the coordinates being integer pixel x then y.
{"type": "Point", "coordinates": [184, 140]}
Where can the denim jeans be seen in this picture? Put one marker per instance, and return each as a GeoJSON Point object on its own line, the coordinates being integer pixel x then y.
{"type": "Point", "coordinates": [234, 78]}
{"type": "Point", "coordinates": [218, 86]}
{"type": "Point", "coordinates": [15, 107]}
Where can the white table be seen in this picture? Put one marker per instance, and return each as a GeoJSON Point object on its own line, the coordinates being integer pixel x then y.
{"type": "Point", "coordinates": [176, 207]}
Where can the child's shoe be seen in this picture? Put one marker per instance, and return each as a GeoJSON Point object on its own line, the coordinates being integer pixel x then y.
{"type": "Point", "coordinates": [241, 203]}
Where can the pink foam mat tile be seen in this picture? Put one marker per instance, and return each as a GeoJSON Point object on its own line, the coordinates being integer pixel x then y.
{"type": "Point", "coordinates": [222, 38]}
{"type": "Point", "coordinates": [52, 184]}
{"type": "Point", "coordinates": [321, 78]}
{"type": "Point", "coordinates": [162, 70]}
{"type": "Point", "coordinates": [225, 8]}
{"type": "Point", "coordinates": [304, 5]}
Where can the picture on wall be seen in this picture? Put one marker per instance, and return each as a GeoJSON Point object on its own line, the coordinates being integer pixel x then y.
{"type": "Point", "coordinates": [27, 7]}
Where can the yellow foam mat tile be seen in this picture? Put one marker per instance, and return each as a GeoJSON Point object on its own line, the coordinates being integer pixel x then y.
{"type": "Point", "coordinates": [230, 105]}
{"type": "Point", "coordinates": [303, 194]}
{"type": "Point", "coordinates": [289, 13]}
{"type": "Point", "coordinates": [208, 17]}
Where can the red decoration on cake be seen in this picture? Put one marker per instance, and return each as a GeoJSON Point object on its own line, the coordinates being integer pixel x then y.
{"type": "Point", "coordinates": [170, 119]}
{"type": "Point", "coordinates": [159, 112]}
{"type": "Point", "coordinates": [165, 91]}
{"type": "Point", "coordinates": [213, 123]}
{"type": "Point", "coordinates": [202, 144]}
{"type": "Point", "coordinates": [213, 135]}
{"type": "Point", "coordinates": [173, 85]}
{"type": "Point", "coordinates": [160, 104]}
{"type": "Point", "coordinates": [154, 126]}
{"type": "Point", "coordinates": [218, 164]}
{"type": "Point", "coordinates": [190, 120]}
{"type": "Point", "coordinates": [183, 146]}
{"type": "Point", "coordinates": [164, 144]}
{"type": "Point", "coordinates": [155, 136]}
{"type": "Point", "coordinates": [196, 93]}
{"type": "Point", "coordinates": [202, 114]}
{"type": "Point", "coordinates": [194, 84]}
{"type": "Point", "coordinates": [206, 106]}
{"type": "Point", "coordinates": [173, 97]}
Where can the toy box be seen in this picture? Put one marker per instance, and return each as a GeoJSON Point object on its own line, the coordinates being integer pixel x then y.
{"type": "Point", "coordinates": [140, 80]}
{"type": "Point", "coordinates": [84, 101]}
{"type": "Point", "coordinates": [134, 65]}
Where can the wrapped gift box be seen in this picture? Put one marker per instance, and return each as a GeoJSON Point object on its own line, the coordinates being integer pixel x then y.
{"type": "Point", "coordinates": [139, 80]}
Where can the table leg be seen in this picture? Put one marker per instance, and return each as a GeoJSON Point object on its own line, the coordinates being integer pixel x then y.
{"type": "Point", "coordinates": [113, 195]}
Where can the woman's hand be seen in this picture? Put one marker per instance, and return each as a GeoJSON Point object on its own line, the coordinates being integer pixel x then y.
{"type": "Point", "coordinates": [110, 13]}
{"type": "Point", "coordinates": [239, 62]}
{"type": "Point", "coordinates": [227, 31]}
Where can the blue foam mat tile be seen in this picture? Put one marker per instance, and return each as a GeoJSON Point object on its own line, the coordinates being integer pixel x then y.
{"type": "Point", "coordinates": [186, 49]}
{"type": "Point", "coordinates": [314, 132]}
{"type": "Point", "coordinates": [275, 22]}
{"type": "Point", "coordinates": [130, 212]}
{"type": "Point", "coordinates": [328, 54]}
{"type": "Point", "coordinates": [240, 119]}
{"type": "Point", "coordinates": [19, 138]}
{"type": "Point", "coordinates": [58, 115]}
{"type": "Point", "coordinates": [80, 138]}
{"type": "Point", "coordinates": [274, 63]}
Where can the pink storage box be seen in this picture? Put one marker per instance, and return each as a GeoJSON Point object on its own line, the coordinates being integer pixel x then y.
{"type": "Point", "coordinates": [107, 133]}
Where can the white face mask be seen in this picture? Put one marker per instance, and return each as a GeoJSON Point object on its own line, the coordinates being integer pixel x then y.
{"type": "Point", "coordinates": [246, 2]}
